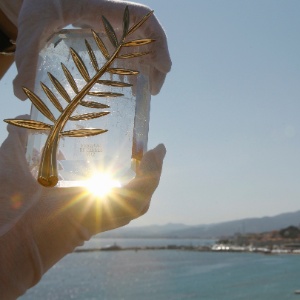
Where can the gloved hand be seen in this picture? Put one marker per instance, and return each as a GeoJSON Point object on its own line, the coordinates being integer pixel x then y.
{"type": "Point", "coordinates": [38, 225]}
{"type": "Point", "coordinates": [38, 19]}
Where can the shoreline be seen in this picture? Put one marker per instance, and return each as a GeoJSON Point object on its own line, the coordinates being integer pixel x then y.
{"type": "Point", "coordinates": [214, 248]}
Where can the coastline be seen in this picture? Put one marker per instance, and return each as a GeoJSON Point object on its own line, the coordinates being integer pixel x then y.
{"type": "Point", "coordinates": [213, 248]}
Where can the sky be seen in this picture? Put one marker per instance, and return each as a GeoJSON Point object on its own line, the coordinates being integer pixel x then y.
{"type": "Point", "coordinates": [228, 113]}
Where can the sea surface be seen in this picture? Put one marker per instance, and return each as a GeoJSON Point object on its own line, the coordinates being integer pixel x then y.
{"type": "Point", "coordinates": [168, 274]}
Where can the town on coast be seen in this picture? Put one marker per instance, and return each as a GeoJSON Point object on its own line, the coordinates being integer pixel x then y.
{"type": "Point", "coordinates": [284, 241]}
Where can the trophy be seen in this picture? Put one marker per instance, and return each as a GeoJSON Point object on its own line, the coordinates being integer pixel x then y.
{"type": "Point", "coordinates": [73, 137]}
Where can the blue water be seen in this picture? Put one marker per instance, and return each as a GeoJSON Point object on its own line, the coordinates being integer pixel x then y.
{"type": "Point", "coordinates": [170, 274]}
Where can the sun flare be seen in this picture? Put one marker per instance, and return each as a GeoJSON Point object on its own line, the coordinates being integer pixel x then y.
{"type": "Point", "coordinates": [101, 184]}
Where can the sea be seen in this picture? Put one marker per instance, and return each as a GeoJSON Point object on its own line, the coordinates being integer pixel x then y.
{"type": "Point", "coordinates": [168, 274]}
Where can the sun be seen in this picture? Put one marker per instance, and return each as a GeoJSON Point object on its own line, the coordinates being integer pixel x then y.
{"type": "Point", "coordinates": [101, 184]}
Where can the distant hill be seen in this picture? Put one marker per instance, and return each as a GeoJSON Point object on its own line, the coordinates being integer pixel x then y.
{"type": "Point", "coordinates": [155, 231]}
{"type": "Point", "coordinates": [250, 225]}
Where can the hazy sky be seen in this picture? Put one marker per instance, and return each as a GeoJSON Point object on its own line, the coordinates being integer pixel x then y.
{"type": "Point", "coordinates": [228, 112]}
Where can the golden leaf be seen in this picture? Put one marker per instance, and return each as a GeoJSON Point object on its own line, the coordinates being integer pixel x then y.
{"type": "Point", "coordinates": [89, 116]}
{"type": "Point", "coordinates": [105, 94]}
{"type": "Point", "coordinates": [126, 19]}
{"type": "Point", "coordinates": [51, 97]}
{"type": "Point", "coordinates": [110, 32]}
{"type": "Point", "coordinates": [92, 56]}
{"type": "Point", "coordinates": [92, 104]}
{"type": "Point", "coordinates": [132, 55]}
{"type": "Point", "coordinates": [121, 71]}
{"type": "Point", "coordinates": [59, 88]}
{"type": "Point", "coordinates": [114, 83]}
{"type": "Point", "coordinates": [100, 44]}
{"type": "Point", "coordinates": [39, 104]}
{"type": "Point", "coordinates": [139, 42]}
{"type": "Point", "coordinates": [80, 65]}
{"type": "Point", "coordinates": [70, 78]}
{"type": "Point", "coordinates": [140, 23]}
{"type": "Point", "coordinates": [83, 132]}
{"type": "Point", "coordinates": [29, 124]}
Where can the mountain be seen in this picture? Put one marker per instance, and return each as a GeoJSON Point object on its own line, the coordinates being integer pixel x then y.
{"type": "Point", "coordinates": [151, 231]}
{"type": "Point", "coordinates": [250, 225]}
{"type": "Point", "coordinates": [217, 230]}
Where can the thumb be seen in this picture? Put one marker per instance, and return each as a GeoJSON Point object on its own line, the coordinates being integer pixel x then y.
{"type": "Point", "coordinates": [152, 161]}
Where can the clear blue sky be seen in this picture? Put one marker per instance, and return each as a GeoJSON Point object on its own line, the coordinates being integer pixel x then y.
{"type": "Point", "coordinates": [228, 112]}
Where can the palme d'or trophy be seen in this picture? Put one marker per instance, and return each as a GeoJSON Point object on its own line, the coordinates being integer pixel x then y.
{"type": "Point", "coordinates": [73, 136]}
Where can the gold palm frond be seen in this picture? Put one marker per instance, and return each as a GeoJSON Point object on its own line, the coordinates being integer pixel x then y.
{"type": "Point", "coordinates": [48, 171]}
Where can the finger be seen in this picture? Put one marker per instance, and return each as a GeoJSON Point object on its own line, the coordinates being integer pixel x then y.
{"type": "Point", "coordinates": [152, 162]}
{"type": "Point", "coordinates": [158, 79]}
{"type": "Point", "coordinates": [13, 163]}
{"type": "Point", "coordinates": [19, 190]}
{"type": "Point", "coordinates": [137, 193]}
{"type": "Point", "coordinates": [14, 147]}
{"type": "Point", "coordinates": [51, 15]}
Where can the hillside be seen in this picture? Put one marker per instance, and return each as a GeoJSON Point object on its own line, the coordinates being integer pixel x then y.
{"type": "Point", "coordinates": [250, 225]}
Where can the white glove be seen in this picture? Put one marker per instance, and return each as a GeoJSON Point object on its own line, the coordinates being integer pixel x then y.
{"type": "Point", "coordinates": [38, 226]}
{"type": "Point", "coordinates": [38, 19]}
{"type": "Point", "coordinates": [11, 9]}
